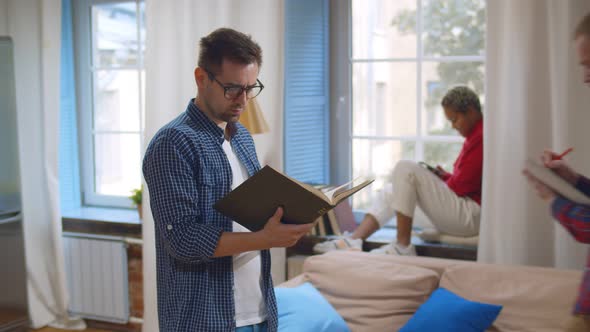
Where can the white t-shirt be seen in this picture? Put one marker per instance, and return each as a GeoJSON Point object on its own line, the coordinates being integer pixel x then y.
{"type": "Point", "coordinates": [250, 306]}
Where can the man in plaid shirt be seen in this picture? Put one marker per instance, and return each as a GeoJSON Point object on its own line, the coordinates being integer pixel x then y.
{"type": "Point", "coordinates": [212, 273]}
{"type": "Point", "coordinates": [573, 216]}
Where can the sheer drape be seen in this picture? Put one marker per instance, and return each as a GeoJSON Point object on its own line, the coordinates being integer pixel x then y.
{"type": "Point", "coordinates": [35, 28]}
{"type": "Point", "coordinates": [535, 99]}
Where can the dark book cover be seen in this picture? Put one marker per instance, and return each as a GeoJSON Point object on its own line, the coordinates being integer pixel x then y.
{"type": "Point", "coordinates": [253, 202]}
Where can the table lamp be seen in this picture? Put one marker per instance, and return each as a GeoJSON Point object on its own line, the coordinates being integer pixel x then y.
{"type": "Point", "coordinates": [253, 119]}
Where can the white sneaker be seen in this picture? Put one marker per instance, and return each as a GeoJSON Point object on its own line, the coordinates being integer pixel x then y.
{"type": "Point", "coordinates": [343, 243]}
{"type": "Point", "coordinates": [395, 249]}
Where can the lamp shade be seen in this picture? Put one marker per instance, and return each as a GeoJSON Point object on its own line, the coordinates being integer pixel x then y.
{"type": "Point", "coordinates": [253, 119]}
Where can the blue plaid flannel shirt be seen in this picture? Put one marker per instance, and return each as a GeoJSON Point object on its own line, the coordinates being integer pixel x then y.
{"type": "Point", "coordinates": [576, 220]}
{"type": "Point", "coordinates": [187, 171]}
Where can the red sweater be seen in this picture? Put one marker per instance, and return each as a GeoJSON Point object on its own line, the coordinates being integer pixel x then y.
{"type": "Point", "coordinates": [467, 170]}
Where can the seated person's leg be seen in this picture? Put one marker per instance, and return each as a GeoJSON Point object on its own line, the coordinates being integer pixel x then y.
{"type": "Point", "coordinates": [366, 228]}
{"type": "Point", "coordinates": [450, 214]}
{"type": "Point", "coordinates": [408, 176]}
{"type": "Point", "coordinates": [379, 213]}
{"type": "Point", "coordinates": [348, 241]}
{"type": "Point", "coordinates": [402, 246]}
{"type": "Point", "coordinates": [412, 186]}
{"type": "Point", "coordinates": [416, 186]}
{"type": "Point", "coordinates": [381, 210]}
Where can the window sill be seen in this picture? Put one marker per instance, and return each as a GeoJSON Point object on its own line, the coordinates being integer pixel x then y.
{"type": "Point", "coordinates": [385, 236]}
{"type": "Point", "coordinates": [102, 221]}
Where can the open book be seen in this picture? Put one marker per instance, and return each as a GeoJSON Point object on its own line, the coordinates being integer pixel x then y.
{"type": "Point", "coordinates": [555, 182]}
{"type": "Point", "coordinates": [253, 202]}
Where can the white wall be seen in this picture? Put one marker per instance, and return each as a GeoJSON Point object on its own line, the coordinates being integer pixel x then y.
{"type": "Point", "coordinates": [3, 18]}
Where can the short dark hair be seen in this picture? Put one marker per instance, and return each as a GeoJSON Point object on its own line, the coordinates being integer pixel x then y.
{"type": "Point", "coordinates": [583, 28]}
{"type": "Point", "coordinates": [460, 98]}
{"type": "Point", "coordinates": [229, 44]}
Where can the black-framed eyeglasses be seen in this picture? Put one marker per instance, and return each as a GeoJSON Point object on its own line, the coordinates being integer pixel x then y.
{"type": "Point", "coordinates": [233, 91]}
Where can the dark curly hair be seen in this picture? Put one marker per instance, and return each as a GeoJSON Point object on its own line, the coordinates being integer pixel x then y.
{"type": "Point", "coordinates": [460, 98]}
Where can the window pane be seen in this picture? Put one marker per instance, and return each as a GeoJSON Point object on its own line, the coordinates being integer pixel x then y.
{"type": "Point", "coordinates": [142, 30]}
{"type": "Point", "coordinates": [453, 27]}
{"type": "Point", "coordinates": [376, 158]}
{"type": "Point", "coordinates": [117, 160]}
{"type": "Point", "coordinates": [114, 31]}
{"type": "Point", "coordinates": [384, 98]}
{"type": "Point", "coordinates": [383, 29]}
{"type": "Point", "coordinates": [442, 153]}
{"type": "Point", "coordinates": [437, 79]}
{"type": "Point", "coordinates": [116, 100]}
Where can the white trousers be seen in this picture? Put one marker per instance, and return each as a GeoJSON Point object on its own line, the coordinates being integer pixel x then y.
{"type": "Point", "coordinates": [414, 186]}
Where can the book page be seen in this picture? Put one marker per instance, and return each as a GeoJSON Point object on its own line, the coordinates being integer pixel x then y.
{"type": "Point", "coordinates": [555, 182]}
{"type": "Point", "coordinates": [341, 192]}
{"type": "Point", "coordinates": [336, 190]}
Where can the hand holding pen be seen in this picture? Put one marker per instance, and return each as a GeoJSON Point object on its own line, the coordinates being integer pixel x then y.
{"type": "Point", "coordinates": [560, 156]}
{"type": "Point", "coordinates": [556, 163]}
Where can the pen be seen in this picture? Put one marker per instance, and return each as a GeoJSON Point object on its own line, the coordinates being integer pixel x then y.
{"type": "Point", "coordinates": [559, 157]}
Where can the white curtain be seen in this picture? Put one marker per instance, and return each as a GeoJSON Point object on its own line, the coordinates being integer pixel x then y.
{"type": "Point", "coordinates": [535, 99]}
{"type": "Point", "coordinates": [174, 29]}
{"type": "Point", "coordinates": [35, 27]}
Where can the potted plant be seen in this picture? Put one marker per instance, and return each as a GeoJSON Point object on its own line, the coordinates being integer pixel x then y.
{"type": "Point", "coordinates": [136, 199]}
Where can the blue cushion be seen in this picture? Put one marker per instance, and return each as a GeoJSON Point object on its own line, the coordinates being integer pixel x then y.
{"type": "Point", "coordinates": [446, 311]}
{"type": "Point", "coordinates": [303, 309]}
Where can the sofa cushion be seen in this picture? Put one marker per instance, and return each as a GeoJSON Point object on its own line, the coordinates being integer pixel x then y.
{"type": "Point", "coordinates": [445, 311]}
{"type": "Point", "coordinates": [438, 265]}
{"type": "Point", "coordinates": [294, 282]}
{"type": "Point", "coordinates": [534, 299]}
{"type": "Point", "coordinates": [371, 292]}
{"type": "Point", "coordinates": [303, 309]}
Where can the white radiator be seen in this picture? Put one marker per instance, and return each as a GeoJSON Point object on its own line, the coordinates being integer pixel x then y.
{"type": "Point", "coordinates": [96, 269]}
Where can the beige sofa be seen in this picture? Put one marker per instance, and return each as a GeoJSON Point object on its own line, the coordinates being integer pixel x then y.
{"type": "Point", "coordinates": [381, 292]}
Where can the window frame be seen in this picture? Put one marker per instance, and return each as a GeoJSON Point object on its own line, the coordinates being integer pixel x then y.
{"type": "Point", "coordinates": [85, 78]}
{"type": "Point", "coordinates": [342, 135]}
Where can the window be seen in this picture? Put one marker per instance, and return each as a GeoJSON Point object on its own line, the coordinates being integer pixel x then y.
{"type": "Point", "coordinates": [405, 55]}
{"type": "Point", "coordinates": [109, 46]}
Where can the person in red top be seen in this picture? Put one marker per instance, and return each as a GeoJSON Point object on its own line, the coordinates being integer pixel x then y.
{"type": "Point", "coordinates": [450, 200]}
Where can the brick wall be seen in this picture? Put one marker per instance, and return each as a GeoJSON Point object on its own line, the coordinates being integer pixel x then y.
{"type": "Point", "coordinates": [135, 271]}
